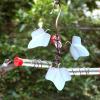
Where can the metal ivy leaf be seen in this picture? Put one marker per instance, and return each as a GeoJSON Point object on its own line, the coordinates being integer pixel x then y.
{"type": "Point", "coordinates": [58, 76]}
{"type": "Point", "coordinates": [77, 49]}
{"type": "Point", "coordinates": [39, 38]}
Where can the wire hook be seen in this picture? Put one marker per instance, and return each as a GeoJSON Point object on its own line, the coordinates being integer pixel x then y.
{"type": "Point", "coordinates": [57, 19]}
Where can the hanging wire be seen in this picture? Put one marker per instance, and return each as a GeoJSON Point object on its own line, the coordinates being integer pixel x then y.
{"type": "Point", "coordinates": [57, 19]}
{"type": "Point", "coordinates": [57, 41]}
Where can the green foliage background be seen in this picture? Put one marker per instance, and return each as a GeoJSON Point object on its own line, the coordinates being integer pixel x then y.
{"type": "Point", "coordinates": [18, 18]}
